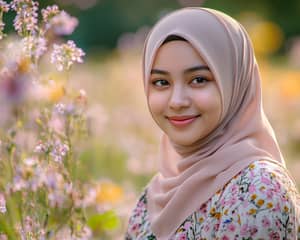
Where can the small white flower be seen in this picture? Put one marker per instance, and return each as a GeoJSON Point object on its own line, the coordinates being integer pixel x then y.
{"type": "Point", "coordinates": [27, 16]}
{"type": "Point", "coordinates": [59, 151]}
{"type": "Point", "coordinates": [4, 6]}
{"type": "Point", "coordinates": [84, 234]}
{"type": "Point", "coordinates": [90, 197]}
{"type": "Point", "coordinates": [30, 162]}
{"type": "Point", "coordinates": [82, 93]}
{"type": "Point", "coordinates": [65, 55]}
{"type": "Point", "coordinates": [2, 203]}
{"type": "Point", "coordinates": [41, 147]}
{"type": "Point", "coordinates": [60, 108]}
{"type": "Point", "coordinates": [56, 199]}
{"type": "Point", "coordinates": [18, 182]}
{"type": "Point", "coordinates": [34, 47]}
{"type": "Point", "coordinates": [1, 29]}
{"type": "Point", "coordinates": [49, 13]}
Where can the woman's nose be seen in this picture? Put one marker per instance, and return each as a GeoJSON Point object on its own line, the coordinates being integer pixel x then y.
{"type": "Point", "coordinates": [179, 98]}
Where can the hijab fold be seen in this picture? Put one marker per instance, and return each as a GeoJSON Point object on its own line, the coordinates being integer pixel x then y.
{"type": "Point", "coordinates": [190, 175]}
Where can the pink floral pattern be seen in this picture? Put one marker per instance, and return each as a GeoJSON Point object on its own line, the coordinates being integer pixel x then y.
{"type": "Point", "coordinates": [261, 202]}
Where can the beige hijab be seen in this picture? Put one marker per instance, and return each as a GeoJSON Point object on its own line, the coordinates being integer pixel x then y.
{"type": "Point", "coordinates": [189, 176]}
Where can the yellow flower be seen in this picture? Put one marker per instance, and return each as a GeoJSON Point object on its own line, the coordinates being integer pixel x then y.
{"type": "Point", "coordinates": [201, 219]}
{"type": "Point", "coordinates": [24, 65]}
{"type": "Point", "coordinates": [286, 209]}
{"type": "Point", "coordinates": [290, 87]}
{"type": "Point", "coordinates": [251, 166]}
{"type": "Point", "coordinates": [218, 215]}
{"type": "Point", "coordinates": [108, 192]}
{"type": "Point", "coordinates": [271, 40]}
{"type": "Point", "coordinates": [252, 211]}
{"type": "Point", "coordinates": [273, 175]}
{"type": "Point", "coordinates": [20, 123]}
{"type": "Point", "coordinates": [269, 205]}
{"type": "Point", "coordinates": [262, 188]}
{"type": "Point", "coordinates": [226, 212]}
{"type": "Point", "coordinates": [56, 92]}
{"type": "Point", "coordinates": [212, 211]}
{"type": "Point", "coordinates": [239, 219]}
{"type": "Point", "coordinates": [253, 196]}
{"type": "Point", "coordinates": [260, 202]}
{"type": "Point", "coordinates": [180, 230]}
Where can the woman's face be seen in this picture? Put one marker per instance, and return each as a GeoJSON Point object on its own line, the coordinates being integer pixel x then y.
{"type": "Point", "coordinates": [183, 95]}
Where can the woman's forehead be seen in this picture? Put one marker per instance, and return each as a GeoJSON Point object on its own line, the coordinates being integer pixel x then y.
{"type": "Point", "coordinates": [177, 53]}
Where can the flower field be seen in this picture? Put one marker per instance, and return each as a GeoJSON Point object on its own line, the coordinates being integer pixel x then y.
{"type": "Point", "coordinates": [77, 144]}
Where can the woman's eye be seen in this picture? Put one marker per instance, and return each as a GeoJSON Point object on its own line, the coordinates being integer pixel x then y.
{"type": "Point", "coordinates": [199, 80]}
{"type": "Point", "coordinates": [160, 83]}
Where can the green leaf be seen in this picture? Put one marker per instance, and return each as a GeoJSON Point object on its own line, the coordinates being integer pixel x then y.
{"type": "Point", "coordinates": [106, 221]}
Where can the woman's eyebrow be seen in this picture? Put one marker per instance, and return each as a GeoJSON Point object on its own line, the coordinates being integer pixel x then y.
{"type": "Point", "coordinates": [157, 71]}
{"type": "Point", "coordinates": [196, 68]}
{"type": "Point", "coordinates": [188, 70]}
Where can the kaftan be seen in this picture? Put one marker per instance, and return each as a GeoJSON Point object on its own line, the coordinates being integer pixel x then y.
{"type": "Point", "coordinates": [260, 202]}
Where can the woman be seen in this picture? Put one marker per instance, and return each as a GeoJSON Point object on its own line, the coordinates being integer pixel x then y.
{"type": "Point", "coordinates": [221, 173]}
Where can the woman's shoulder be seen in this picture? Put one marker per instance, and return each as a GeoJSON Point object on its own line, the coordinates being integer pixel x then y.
{"type": "Point", "coordinates": [138, 224]}
{"type": "Point", "coordinates": [261, 201]}
{"type": "Point", "coordinates": [262, 184]}
{"type": "Point", "coordinates": [262, 176]}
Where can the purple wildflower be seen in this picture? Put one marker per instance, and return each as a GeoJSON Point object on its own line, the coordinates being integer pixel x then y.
{"type": "Point", "coordinates": [84, 233]}
{"type": "Point", "coordinates": [60, 108]}
{"type": "Point", "coordinates": [63, 23]}
{"type": "Point", "coordinates": [59, 151]}
{"type": "Point", "coordinates": [42, 147]}
{"type": "Point", "coordinates": [65, 55]}
{"type": "Point", "coordinates": [31, 229]}
{"type": "Point", "coordinates": [4, 6]}
{"type": "Point", "coordinates": [27, 16]}
{"type": "Point", "coordinates": [14, 84]}
{"type": "Point", "coordinates": [56, 198]}
{"type": "Point", "coordinates": [49, 12]}
{"type": "Point", "coordinates": [34, 47]}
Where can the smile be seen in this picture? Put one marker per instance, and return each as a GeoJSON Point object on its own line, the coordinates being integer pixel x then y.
{"type": "Point", "coordinates": [182, 121]}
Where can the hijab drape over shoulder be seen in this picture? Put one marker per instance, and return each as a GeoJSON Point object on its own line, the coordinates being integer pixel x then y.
{"type": "Point", "coordinates": [190, 175]}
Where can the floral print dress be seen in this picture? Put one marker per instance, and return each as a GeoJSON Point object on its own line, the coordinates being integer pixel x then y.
{"type": "Point", "coordinates": [261, 202]}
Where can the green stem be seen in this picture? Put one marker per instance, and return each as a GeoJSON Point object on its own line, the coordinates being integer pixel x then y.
{"type": "Point", "coordinates": [69, 142]}
{"type": "Point", "coordinates": [10, 161]}
{"type": "Point", "coordinates": [65, 220]}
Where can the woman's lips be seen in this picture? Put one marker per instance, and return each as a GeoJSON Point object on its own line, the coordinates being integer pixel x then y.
{"type": "Point", "coordinates": [182, 121]}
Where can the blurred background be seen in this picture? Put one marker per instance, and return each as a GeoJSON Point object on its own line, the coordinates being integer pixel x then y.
{"type": "Point", "coordinates": [123, 139]}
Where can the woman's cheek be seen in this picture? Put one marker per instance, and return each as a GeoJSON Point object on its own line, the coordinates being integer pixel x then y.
{"type": "Point", "coordinates": [203, 101]}
{"type": "Point", "coordinates": [157, 102]}
{"type": "Point", "coordinates": [208, 100]}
